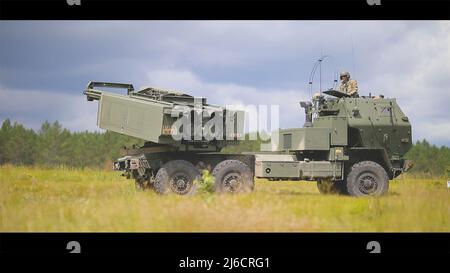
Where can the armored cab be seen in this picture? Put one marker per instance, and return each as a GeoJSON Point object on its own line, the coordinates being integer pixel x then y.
{"type": "Point", "coordinates": [183, 135]}
{"type": "Point", "coordinates": [348, 145]}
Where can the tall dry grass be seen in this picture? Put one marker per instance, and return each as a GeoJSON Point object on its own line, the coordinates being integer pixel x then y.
{"type": "Point", "coordinates": [66, 199]}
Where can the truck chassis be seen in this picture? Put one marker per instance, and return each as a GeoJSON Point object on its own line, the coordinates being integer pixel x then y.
{"type": "Point", "coordinates": [179, 172]}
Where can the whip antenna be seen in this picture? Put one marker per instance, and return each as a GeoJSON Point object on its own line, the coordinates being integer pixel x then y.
{"type": "Point", "coordinates": [317, 64]}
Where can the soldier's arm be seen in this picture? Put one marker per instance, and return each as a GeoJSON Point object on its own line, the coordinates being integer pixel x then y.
{"type": "Point", "coordinates": [354, 85]}
{"type": "Point", "coordinates": [353, 88]}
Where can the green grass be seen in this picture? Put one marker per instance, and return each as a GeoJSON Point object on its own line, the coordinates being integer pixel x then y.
{"type": "Point", "coordinates": [62, 199]}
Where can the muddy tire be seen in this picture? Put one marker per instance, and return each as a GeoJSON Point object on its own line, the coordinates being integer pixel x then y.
{"type": "Point", "coordinates": [177, 177]}
{"type": "Point", "coordinates": [367, 178]}
{"type": "Point", "coordinates": [233, 176]}
{"type": "Point", "coordinates": [326, 186]}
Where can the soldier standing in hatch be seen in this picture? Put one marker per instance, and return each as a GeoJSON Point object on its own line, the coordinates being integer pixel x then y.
{"type": "Point", "coordinates": [348, 85]}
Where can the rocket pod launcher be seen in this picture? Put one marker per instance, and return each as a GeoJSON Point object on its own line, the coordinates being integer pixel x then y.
{"type": "Point", "coordinates": [151, 113]}
{"type": "Point", "coordinates": [183, 136]}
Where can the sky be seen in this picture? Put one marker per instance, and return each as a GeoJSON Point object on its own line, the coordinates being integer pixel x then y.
{"type": "Point", "coordinates": [45, 65]}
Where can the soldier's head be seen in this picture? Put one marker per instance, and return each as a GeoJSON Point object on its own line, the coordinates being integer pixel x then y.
{"type": "Point", "coordinates": [344, 76]}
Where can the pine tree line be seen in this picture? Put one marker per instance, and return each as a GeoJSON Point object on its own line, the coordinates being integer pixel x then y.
{"type": "Point", "coordinates": [52, 145]}
{"type": "Point", "coordinates": [429, 159]}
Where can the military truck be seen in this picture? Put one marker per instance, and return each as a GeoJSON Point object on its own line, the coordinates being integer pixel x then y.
{"type": "Point", "coordinates": [171, 161]}
{"type": "Point", "coordinates": [349, 145]}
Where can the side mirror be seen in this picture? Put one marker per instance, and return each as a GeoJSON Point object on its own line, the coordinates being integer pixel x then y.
{"type": "Point", "coordinates": [308, 112]}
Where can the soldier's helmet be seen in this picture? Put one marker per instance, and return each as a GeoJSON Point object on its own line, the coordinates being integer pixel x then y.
{"type": "Point", "coordinates": [344, 74]}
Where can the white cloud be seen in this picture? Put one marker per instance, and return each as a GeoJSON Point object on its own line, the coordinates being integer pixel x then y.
{"type": "Point", "coordinates": [32, 107]}
{"type": "Point", "coordinates": [416, 70]}
{"type": "Point", "coordinates": [437, 131]}
{"type": "Point", "coordinates": [232, 94]}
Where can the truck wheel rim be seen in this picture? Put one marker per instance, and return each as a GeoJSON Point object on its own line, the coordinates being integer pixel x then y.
{"type": "Point", "coordinates": [367, 183]}
{"type": "Point", "coordinates": [180, 184]}
{"type": "Point", "coordinates": [232, 182]}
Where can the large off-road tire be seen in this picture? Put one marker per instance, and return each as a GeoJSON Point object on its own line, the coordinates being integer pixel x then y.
{"type": "Point", "coordinates": [367, 178]}
{"type": "Point", "coordinates": [233, 176]}
{"type": "Point", "coordinates": [327, 186]}
{"type": "Point", "coordinates": [176, 176]}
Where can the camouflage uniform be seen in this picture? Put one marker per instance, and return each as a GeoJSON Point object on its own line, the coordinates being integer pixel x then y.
{"type": "Point", "coordinates": [348, 86]}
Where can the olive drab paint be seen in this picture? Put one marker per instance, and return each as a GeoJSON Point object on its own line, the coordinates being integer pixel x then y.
{"type": "Point", "coordinates": [349, 143]}
{"type": "Point", "coordinates": [344, 131]}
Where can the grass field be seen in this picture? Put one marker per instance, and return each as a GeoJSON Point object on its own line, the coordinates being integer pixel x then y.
{"type": "Point", "coordinates": [34, 199]}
